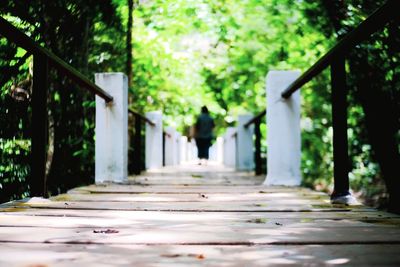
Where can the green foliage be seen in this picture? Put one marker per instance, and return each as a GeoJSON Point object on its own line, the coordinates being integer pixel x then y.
{"type": "Point", "coordinates": [14, 168]}
{"type": "Point", "coordinates": [316, 124]}
{"type": "Point", "coordinates": [190, 53]}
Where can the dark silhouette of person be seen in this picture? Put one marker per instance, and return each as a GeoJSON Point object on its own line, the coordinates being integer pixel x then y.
{"type": "Point", "coordinates": [203, 133]}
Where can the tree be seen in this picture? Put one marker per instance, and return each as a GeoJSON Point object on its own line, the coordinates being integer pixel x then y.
{"type": "Point", "coordinates": [129, 43]}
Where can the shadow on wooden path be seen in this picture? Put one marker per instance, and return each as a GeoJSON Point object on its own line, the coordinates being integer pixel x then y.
{"type": "Point", "coordinates": [195, 216]}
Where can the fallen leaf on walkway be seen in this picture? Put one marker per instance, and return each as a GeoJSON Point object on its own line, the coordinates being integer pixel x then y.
{"type": "Point", "coordinates": [200, 257]}
{"type": "Point", "coordinates": [193, 255]}
{"type": "Point", "coordinates": [171, 255]}
{"type": "Point", "coordinates": [108, 231]}
{"type": "Point", "coordinates": [257, 220]}
{"type": "Point", "coordinates": [197, 256]}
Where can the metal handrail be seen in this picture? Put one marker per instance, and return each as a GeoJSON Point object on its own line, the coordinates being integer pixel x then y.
{"type": "Point", "coordinates": [335, 59]}
{"type": "Point", "coordinates": [147, 120]}
{"type": "Point", "coordinates": [137, 139]}
{"type": "Point", "coordinates": [42, 59]}
{"type": "Point", "coordinates": [22, 40]}
{"type": "Point", "coordinates": [373, 23]}
{"type": "Point", "coordinates": [255, 118]}
{"type": "Point", "coordinates": [167, 134]}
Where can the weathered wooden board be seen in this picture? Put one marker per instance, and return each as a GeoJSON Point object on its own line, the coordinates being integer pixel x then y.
{"type": "Point", "coordinates": [197, 175]}
{"type": "Point", "coordinates": [186, 189]}
{"type": "Point", "coordinates": [332, 215]}
{"type": "Point", "coordinates": [221, 206]}
{"type": "Point", "coordinates": [207, 234]}
{"type": "Point", "coordinates": [92, 255]}
{"type": "Point", "coordinates": [293, 197]}
{"type": "Point", "coordinates": [190, 180]}
{"type": "Point", "coordinates": [177, 219]}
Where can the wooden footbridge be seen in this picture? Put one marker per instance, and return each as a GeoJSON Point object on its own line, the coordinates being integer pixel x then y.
{"type": "Point", "coordinates": [195, 215]}
{"type": "Point", "coordinates": [189, 214]}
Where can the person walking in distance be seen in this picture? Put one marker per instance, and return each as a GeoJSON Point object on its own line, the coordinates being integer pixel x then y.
{"type": "Point", "coordinates": [203, 134]}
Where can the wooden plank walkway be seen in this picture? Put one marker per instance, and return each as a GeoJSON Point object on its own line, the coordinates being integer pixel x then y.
{"type": "Point", "coordinates": [195, 216]}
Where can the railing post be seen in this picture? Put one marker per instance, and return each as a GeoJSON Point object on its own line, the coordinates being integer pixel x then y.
{"type": "Point", "coordinates": [164, 136]}
{"type": "Point", "coordinates": [341, 193]}
{"type": "Point", "coordinates": [257, 145]}
{"type": "Point", "coordinates": [230, 147]}
{"type": "Point", "coordinates": [184, 149]}
{"type": "Point", "coordinates": [111, 150]}
{"type": "Point", "coordinates": [192, 153]}
{"type": "Point", "coordinates": [220, 149]}
{"type": "Point", "coordinates": [283, 135]}
{"type": "Point", "coordinates": [137, 156]}
{"type": "Point", "coordinates": [212, 153]}
{"type": "Point", "coordinates": [154, 141]}
{"type": "Point", "coordinates": [37, 180]}
{"type": "Point", "coordinates": [178, 155]}
{"type": "Point", "coordinates": [244, 141]}
{"type": "Point", "coordinates": [171, 147]}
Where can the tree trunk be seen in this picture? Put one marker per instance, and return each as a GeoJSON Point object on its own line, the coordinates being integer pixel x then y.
{"type": "Point", "coordinates": [129, 43]}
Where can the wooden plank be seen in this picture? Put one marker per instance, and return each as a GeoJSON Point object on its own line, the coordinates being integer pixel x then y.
{"type": "Point", "coordinates": [202, 197]}
{"type": "Point", "coordinates": [186, 189]}
{"type": "Point", "coordinates": [171, 255]}
{"type": "Point", "coordinates": [134, 215]}
{"type": "Point", "coordinates": [220, 206]}
{"type": "Point", "coordinates": [125, 255]}
{"type": "Point", "coordinates": [176, 219]}
{"type": "Point", "coordinates": [192, 234]}
{"type": "Point", "coordinates": [194, 179]}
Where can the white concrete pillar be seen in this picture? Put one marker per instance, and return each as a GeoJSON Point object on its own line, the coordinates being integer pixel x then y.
{"type": "Point", "coordinates": [170, 146]}
{"type": "Point", "coordinates": [220, 149]}
{"type": "Point", "coordinates": [111, 149]}
{"type": "Point", "coordinates": [154, 141]}
{"type": "Point", "coordinates": [213, 152]}
{"type": "Point", "coordinates": [230, 147]}
{"type": "Point", "coordinates": [225, 158]}
{"type": "Point", "coordinates": [283, 135]}
{"type": "Point", "coordinates": [184, 149]}
{"type": "Point", "coordinates": [245, 144]}
{"type": "Point", "coordinates": [193, 150]}
{"type": "Point", "coordinates": [178, 156]}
